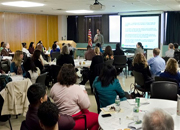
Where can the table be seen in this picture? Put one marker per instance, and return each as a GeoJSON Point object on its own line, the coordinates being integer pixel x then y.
{"type": "Point", "coordinates": [7, 57]}
{"type": "Point", "coordinates": [80, 63]}
{"type": "Point", "coordinates": [112, 123]}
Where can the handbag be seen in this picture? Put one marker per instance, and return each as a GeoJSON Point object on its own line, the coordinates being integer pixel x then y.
{"type": "Point", "coordinates": [134, 92]}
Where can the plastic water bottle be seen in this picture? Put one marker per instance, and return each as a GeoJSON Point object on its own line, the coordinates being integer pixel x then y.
{"type": "Point", "coordinates": [136, 113]}
{"type": "Point", "coordinates": [9, 73]}
{"type": "Point", "coordinates": [117, 103]}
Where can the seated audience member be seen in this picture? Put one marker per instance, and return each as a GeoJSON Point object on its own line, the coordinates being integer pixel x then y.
{"type": "Point", "coordinates": [97, 59]}
{"type": "Point", "coordinates": [171, 70]}
{"type": "Point", "coordinates": [54, 49]}
{"type": "Point", "coordinates": [2, 44]}
{"type": "Point", "coordinates": [176, 47]}
{"type": "Point", "coordinates": [56, 42]}
{"type": "Point", "coordinates": [64, 57]}
{"type": "Point", "coordinates": [42, 55]}
{"type": "Point", "coordinates": [140, 65]}
{"type": "Point", "coordinates": [89, 53]}
{"type": "Point", "coordinates": [6, 50]}
{"type": "Point", "coordinates": [157, 64]}
{"type": "Point", "coordinates": [139, 48]}
{"type": "Point", "coordinates": [48, 114]}
{"type": "Point", "coordinates": [170, 51]}
{"type": "Point", "coordinates": [65, 90]}
{"type": "Point", "coordinates": [37, 95]}
{"type": "Point", "coordinates": [16, 65]}
{"type": "Point", "coordinates": [118, 50]}
{"type": "Point", "coordinates": [108, 87]}
{"type": "Point", "coordinates": [32, 72]}
{"type": "Point", "coordinates": [63, 44]}
{"type": "Point", "coordinates": [31, 47]}
{"type": "Point", "coordinates": [157, 120]}
{"type": "Point", "coordinates": [108, 54]}
{"type": "Point", "coordinates": [25, 50]}
{"type": "Point", "coordinates": [99, 45]}
{"type": "Point", "coordinates": [71, 49]}
{"type": "Point", "coordinates": [37, 60]}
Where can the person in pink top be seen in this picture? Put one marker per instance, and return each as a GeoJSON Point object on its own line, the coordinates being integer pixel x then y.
{"type": "Point", "coordinates": [72, 99]}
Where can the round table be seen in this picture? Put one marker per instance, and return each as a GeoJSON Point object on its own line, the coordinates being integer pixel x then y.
{"type": "Point", "coordinates": [112, 123]}
{"type": "Point", "coordinates": [80, 63]}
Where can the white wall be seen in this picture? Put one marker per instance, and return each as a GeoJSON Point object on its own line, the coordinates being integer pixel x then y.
{"type": "Point", "coordinates": [62, 27]}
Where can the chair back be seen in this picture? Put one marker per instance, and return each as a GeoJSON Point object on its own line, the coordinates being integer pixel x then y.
{"type": "Point", "coordinates": [119, 60]}
{"type": "Point", "coordinates": [97, 99]}
{"type": "Point", "coordinates": [166, 59]}
{"type": "Point", "coordinates": [177, 56]}
{"type": "Point", "coordinates": [139, 78]}
{"type": "Point", "coordinates": [42, 78]}
{"type": "Point", "coordinates": [109, 62]}
{"type": "Point", "coordinates": [164, 90]}
{"type": "Point", "coordinates": [54, 72]}
{"type": "Point", "coordinates": [54, 55]}
{"type": "Point", "coordinates": [23, 125]}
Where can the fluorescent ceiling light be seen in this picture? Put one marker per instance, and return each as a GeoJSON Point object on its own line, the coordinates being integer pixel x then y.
{"type": "Point", "coordinates": [22, 4]}
{"type": "Point", "coordinates": [79, 11]}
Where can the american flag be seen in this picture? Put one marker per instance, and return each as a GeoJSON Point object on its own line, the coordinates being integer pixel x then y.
{"type": "Point", "coordinates": [89, 38]}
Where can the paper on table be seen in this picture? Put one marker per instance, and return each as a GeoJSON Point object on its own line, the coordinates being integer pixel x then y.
{"type": "Point", "coordinates": [142, 101]}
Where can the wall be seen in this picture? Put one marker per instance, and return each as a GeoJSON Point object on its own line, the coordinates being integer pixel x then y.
{"type": "Point", "coordinates": [62, 27]}
{"type": "Point", "coordinates": [16, 28]}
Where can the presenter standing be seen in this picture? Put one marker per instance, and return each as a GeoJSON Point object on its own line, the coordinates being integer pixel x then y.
{"type": "Point", "coordinates": [98, 38]}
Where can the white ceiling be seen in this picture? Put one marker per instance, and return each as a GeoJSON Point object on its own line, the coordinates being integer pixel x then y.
{"type": "Point", "coordinates": [112, 6]}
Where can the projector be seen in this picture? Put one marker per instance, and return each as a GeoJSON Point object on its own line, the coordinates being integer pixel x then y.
{"type": "Point", "coordinates": [97, 6]}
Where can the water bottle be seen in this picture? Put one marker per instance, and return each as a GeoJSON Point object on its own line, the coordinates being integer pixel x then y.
{"type": "Point", "coordinates": [9, 73]}
{"type": "Point", "coordinates": [136, 113]}
{"type": "Point", "coordinates": [117, 103]}
{"type": "Point", "coordinates": [178, 104]}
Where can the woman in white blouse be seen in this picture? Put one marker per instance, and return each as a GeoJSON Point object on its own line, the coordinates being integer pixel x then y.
{"type": "Point", "coordinates": [25, 50]}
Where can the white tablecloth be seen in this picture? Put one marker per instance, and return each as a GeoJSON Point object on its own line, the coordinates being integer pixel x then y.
{"type": "Point", "coordinates": [7, 57]}
{"type": "Point", "coordinates": [112, 123]}
{"type": "Point", "coordinates": [78, 63]}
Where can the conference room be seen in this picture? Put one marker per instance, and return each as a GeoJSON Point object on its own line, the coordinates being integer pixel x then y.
{"type": "Point", "coordinates": [96, 65]}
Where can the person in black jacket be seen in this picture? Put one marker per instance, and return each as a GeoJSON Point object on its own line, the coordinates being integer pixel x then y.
{"type": "Point", "coordinates": [64, 57]}
{"type": "Point", "coordinates": [118, 50]}
{"type": "Point", "coordinates": [140, 65]}
{"type": "Point", "coordinates": [37, 60]}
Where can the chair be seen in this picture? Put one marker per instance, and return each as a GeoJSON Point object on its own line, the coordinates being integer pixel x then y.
{"type": "Point", "coordinates": [157, 78]}
{"type": "Point", "coordinates": [42, 79]}
{"type": "Point", "coordinates": [54, 55]}
{"type": "Point", "coordinates": [81, 116]}
{"type": "Point", "coordinates": [97, 100]}
{"type": "Point", "coordinates": [166, 59]}
{"type": "Point", "coordinates": [164, 90]}
{"type": "Point", "coordinates": [109, 62]}
{"type": "Point", "coordinates": [177, 56]}
{"type": "Point", "coordinates": [54, 71]}
{"type": "Point", "coordinates": [23, 125]}
{"type": "Point", "coordinates": [120, 62]}
{"type": "Point", "coordinates": [140, 82]}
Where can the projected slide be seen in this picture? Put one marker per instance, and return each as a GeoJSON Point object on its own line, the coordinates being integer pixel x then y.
{"type": "Point", "coordinates": [114, 28]}
{"type": "Point", "coordinates": [144, 29]}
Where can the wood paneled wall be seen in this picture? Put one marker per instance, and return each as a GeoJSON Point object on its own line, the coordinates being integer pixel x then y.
{"type": "Point", "coordinates": [16, 28]}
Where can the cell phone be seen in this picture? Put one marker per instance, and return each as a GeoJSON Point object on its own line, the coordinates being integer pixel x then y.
{"type": "Point", "coordinates": [106, 115]}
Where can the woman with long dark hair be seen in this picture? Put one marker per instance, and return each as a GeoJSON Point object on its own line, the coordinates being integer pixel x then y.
{"type": "Point", "coordinates": [37, 60]}
{"type": "Point", "coordinates": [31, 47]}
{"type": "Point", "coordinates": [108, 53]}
{"type": "Point", "coordinates": [139, 48]}
{"type": "Point", "coordinates": [108, 87]}
{"type": "Point", "coordinates": [118, 50]}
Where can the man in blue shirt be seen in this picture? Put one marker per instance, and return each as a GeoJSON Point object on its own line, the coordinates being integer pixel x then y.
{"type": "Point", "coordinates": [157, 64]}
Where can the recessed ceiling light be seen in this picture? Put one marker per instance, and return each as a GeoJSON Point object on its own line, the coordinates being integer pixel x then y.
{"type": "Point", "coordinates": [22, 4]}
{"type": "Point", "coordinates": [79, 11]}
